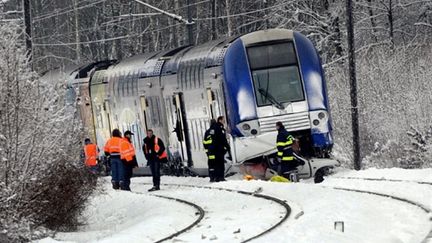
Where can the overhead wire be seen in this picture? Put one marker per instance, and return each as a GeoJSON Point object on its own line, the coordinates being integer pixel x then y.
{"type": "Point", "coordinates": [128, 36]}
{"type": "Point", "coordinates": [241, 14]}
{"type": "Point", "coordinates": [68, 11]}
{"type": "Point", "coordinates": [113, 22]}
{"type": "Point", "coordinates": [104, 40]}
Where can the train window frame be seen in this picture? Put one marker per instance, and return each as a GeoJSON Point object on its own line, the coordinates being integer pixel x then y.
{"type": "Point", "coordinates": [290, 64]}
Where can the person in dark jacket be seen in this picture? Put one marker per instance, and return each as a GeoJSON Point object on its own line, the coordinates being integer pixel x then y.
{"type": "Point", "coordinates": [129, 165]}
{"type": "Point", "coordinates": [285, 154]}
{"type": "Point", "coordinates": [216, 144]}
{"type": "Point", "coordinates": [222, 149]}
{"type": "Point", "coordinates": [154, 151]}
{"type": "Point", "coordinates": [210, 150]}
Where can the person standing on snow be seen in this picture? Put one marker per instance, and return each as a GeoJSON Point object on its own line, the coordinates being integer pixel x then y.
{"type": "Point", "coordinates": [222, 149]}
{"type": "Point", "coordinates": [285, 154]}
{"type": "Point", "coordinates": [91, 152]}
{"type": "Point", "coordinates": [155, 153]}
{"type": "Point", "coordinates": [216, 143]}
{"type": "Point", "coordinates": [128, 158]}
{"type": "Point", "coordinates": [210, 150]}
{"type": "Point", "coordinates": [113, 150]}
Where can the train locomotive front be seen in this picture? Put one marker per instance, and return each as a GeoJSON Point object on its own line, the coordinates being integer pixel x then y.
{"type": "Point", "coordinates": [275, 75]}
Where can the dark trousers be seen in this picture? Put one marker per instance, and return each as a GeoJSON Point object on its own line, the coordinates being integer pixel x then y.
{"type": "Point", "coordinates": [220, 167]}
{"type": "Point", "coordinates": [212, 169]}
{"type": "Point", "coordinates": [155, 170]}
{"type": "Point", "coordinates": [117, 169]}
{"type": "Point", "coordinates": [128, 174]}
{"type": "Point", "coordinates": [287, 166]}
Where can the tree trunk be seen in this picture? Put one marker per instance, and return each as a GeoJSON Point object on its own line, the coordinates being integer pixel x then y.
{"type": "Point", "coordinates": [372, 20]}
{"type": "Point", "coordinates": [77, 32]}
{"type": "Point", "coordinates": [229, 22]}
{"type": "Point", "coordinates": [390, 20]}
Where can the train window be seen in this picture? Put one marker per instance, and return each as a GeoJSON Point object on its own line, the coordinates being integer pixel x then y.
{"type": "Point", "coordinates": [275, 74]}
{"type": "Point", "coordinates": [154, 108]}
{"type": "Point", "coordinates": [273, 55]}
{"type": "Point", "coordinates": [277, 85]}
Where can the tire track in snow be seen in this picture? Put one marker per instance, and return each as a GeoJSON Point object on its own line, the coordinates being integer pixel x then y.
{"type": "Point", "coordinates": [253, 194]}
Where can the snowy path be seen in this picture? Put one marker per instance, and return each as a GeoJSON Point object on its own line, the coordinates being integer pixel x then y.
{"type": "Point", "coordinates": [233, 217]}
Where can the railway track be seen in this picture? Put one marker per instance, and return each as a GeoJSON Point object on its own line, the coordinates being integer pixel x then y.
{"type": "Point", "coordinates": [383, 179]}
{"type": "Point", "coordinates": [287, 213]}
{"type": "Point", "coordinates": [424, 208]}
{"type": "Point", "coordinates": [282, 203]}
{"type": "Point", "coordinates": [200, 213]}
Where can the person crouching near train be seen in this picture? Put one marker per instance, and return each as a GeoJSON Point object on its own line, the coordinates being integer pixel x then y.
{"type": "Point", "coordinates": [113, 150]}
{"type": "Point", "coordinates": [155, 153]}
{"type": "Point", "coordinates": [91, 152]}
{"type": "Point", "coordinates": [128, 158]}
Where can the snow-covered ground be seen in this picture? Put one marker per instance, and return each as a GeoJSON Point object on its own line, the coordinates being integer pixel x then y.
{"type": "Point", "coordinates": [117, 216]}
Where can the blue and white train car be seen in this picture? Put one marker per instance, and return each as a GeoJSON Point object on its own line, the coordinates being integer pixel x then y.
{"type": "Point", "coordinates": [253, 80]}
{"type": "Point", "coordinates": [275, 75]}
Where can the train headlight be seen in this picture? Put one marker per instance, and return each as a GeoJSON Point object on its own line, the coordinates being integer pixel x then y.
{"type": "Point", "coordinates": [249, 128]}
{"type": "Point", "coordinates": [246, 127]}
{"type": "Point", "coordinates": [319, 121]}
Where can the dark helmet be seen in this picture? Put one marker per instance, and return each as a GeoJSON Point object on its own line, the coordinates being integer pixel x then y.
{"type": "Point", "coordinates": [116, 133]}
{"type": "Point", "coordinates": [280, 125]}
{"type": "Point", "coordinates": [128, 133]}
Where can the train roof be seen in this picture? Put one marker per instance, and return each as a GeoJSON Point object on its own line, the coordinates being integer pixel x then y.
{"type": "Point", "coordinates": [172, 61]}
{"type": "Point", "coordinates": [184, 58]}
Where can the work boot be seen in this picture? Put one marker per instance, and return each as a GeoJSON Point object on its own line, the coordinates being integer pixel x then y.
{"type": "Point", "coordinates": [155, 188]}
{"type": "Point", "coordinates": [124, 186]}
{"type": "Point", "coordinates": [115, 185]}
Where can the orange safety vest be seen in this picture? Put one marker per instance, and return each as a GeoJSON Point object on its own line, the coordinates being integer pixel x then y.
{"type": "Point", "coordinates": [127, 150]}
{"type": "Point", "coordinates": [157, 148]}
{"type": "Point", "coordinates": [113, 146]}
{"type": "Point", "coordinates": [90, 151]}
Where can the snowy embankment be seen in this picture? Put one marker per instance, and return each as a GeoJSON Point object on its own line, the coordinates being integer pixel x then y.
{"type": "Point", "coordinates": [233, 217]}
{"type": "Point", "coordinates": [117, 216]}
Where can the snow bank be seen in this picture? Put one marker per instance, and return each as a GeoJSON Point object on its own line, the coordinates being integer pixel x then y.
{"type": "Point", "coordinates": [232, 217]}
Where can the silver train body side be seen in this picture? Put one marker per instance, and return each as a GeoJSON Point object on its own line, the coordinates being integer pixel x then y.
{"type": "Point", "coordinates": [177, 92]}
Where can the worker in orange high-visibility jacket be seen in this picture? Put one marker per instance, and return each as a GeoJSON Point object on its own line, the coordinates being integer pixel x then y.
{"type": "Point", "coordinates": [128, 158]}
{"type": "Point", "coordinates": [155, 153]}
{"type": "Point", "coordinates": [112, 149]}
{"type": "Point", "coordinates": [91, 152]}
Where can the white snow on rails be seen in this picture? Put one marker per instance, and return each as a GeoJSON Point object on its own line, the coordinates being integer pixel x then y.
{"type": "Point", "coordinates": [374, 206]}
{"type": "Point", "coordinates": [253, 194]}
{"type": "Point", "coordinates": [200, 212]}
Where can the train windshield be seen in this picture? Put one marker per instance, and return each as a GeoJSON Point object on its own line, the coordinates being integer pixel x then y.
{"type": "Point", "coordinates": [275, 74]}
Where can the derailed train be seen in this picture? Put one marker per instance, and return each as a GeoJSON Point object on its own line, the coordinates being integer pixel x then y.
{"type": "Point", "coordinates": [254, 80]}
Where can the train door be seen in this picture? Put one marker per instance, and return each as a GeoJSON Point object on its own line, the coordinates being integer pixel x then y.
{"type": "Point", "coordinates": [142, 128]}
{"type": "Point", "coordinates": [181, 128]}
